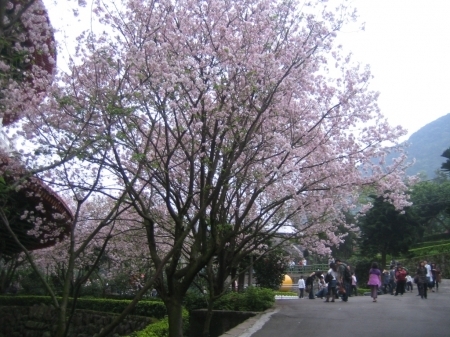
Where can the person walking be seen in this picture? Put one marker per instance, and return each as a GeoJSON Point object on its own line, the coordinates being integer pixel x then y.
{"type": "Point", "coordinates": [400, 279]}
{"type": "Point", "coordinates": [374, 281]}
{"type": "Point", "coordinates": [429, 275]}
{"type": "Point", "coordinates": [301, 287]}
{"type": "Point", "coordinates": [354, 282]}
{"type": "Point", "coordinates": [392, 284]}
{"type": "Point", "coordinates": [344, 283]}
{"type": "Point", "coordinates": [436, 274]}
{"type": "Point", "coordinates": [409, 283]}
{"type": "Point", "coordinates": [385, 278]}
{"type": "Point", "coordinates": [310, 285]}
{"type": "Point", "coordinates": [422, 281]}
{"type": "Point", "coordinates": [331, 278]}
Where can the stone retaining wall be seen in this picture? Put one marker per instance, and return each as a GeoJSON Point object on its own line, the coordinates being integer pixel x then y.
{"type": "Point", "coordinates": [40, 321]}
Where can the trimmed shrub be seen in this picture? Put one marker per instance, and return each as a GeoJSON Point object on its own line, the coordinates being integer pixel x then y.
{"type": "Point", "coordinates": [252, 299]}
{"type": "Point", "coordinates": [161, 328]}
{"type": "Point", "coordinates": [195, 300]}
{"type": "Point", "coordinates": [258, 299]}
{"type": "Point", "coordinates": [153, 308]}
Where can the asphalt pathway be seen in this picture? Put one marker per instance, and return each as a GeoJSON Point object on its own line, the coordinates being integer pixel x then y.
{"type": "Point", "coordinates": [400, 316]}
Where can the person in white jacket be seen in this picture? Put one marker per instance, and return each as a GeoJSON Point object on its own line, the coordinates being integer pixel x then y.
{"type": "Point", "coordinates": [409, 283]}
{"type": "Point", "coordinates": [301, 287]}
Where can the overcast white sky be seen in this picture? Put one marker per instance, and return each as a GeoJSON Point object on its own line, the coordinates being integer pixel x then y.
{"type": "Point", "coordinates": [407, 45]}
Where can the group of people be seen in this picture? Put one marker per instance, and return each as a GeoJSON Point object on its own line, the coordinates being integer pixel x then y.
{"type": "Point", "coordinates": [301, 263]}
{"type": "Point", "coordinates": [426, 277]}
{"type": "Point", "coordinates": [337, 282]}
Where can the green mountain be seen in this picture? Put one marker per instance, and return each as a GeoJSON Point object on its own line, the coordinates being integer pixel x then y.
{"type": "Point", "coordinates": [426, 146]}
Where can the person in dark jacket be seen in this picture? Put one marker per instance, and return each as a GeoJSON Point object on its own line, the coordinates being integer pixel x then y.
{"type": "Point", "coordinates": [310, 285]}
{"type": "Point", "coordinates": [436, 277]}
{"type": "Point", "coordinates": [343, 284]}
{"type": "Point", "coordinates": [422, 280]}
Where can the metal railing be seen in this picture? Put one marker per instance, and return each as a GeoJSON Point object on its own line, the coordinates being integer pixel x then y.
{"type": "Point", "coordinates": [307, 269]}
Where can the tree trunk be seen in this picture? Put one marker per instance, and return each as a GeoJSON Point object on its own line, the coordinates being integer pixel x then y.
{"type": "Point", "coordinates": [208, 318]}
{"type": "Point", "coordinates": [250, 272]}
{"type": "Point", "coordinates": [174, 311]}
{"type": "Point", "coordinates": [67, 287]}
{"type": "Point", "coordinates": [241, 282]}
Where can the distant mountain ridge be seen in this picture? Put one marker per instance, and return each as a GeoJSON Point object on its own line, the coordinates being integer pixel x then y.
{"type": "Point", "coordinates": [427, 145]}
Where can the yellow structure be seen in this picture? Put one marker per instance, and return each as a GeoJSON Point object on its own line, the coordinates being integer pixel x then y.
{"type": "Point", "coordinates": [287, 284]}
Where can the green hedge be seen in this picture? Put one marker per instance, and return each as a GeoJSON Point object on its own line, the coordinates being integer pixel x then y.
{"type": "Point", "coordinates": [429, 244]}
{"type": "Point", "coordinates": [147, 308]}
{"type": "Point", "coordinates": [252, 299]}
{"type": "Point", "coordinates": [161, 328]}
{"type": "Point", "coordinates": [434, 249]}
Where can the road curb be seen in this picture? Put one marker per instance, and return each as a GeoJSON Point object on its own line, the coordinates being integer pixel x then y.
{"type": "Point", "coordinates": [251, 325]}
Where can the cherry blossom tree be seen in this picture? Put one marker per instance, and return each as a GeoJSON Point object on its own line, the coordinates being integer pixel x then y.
{"type": "Point", "coordinates": [27, 63]}
{"type": "Point", "coordinates": [218, 120]}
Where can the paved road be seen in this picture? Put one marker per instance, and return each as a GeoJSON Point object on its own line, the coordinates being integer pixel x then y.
{"type": "Point", "coordinates": [399, 316]}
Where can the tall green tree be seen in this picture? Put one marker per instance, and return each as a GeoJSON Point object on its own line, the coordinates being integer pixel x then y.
{"type": "Point", "coordinates": [446, 166]}
{"type": "Point", "coordinates": [270, 270]}
{"type": "Point", "coordinates": [431, 203]}
{"type": "Point", "coordinates": [385, 230]}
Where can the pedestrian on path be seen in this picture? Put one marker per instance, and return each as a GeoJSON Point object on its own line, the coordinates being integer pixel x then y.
{"type": "Point", "coordinates": [310, 285]}
{"type": "Point", "coordinates": [354, 282]}
{"type": "Point", "coordinates": [409, 283]}
{"type": "Point", "coordinates": [400, 280]}
{"type": "Point", "coordinates": [392, 284]}
{"type": "Point", "coordinates": [344, 283]}
{"type": "Point", "coordinates": [436, 273]}
{"type": "Point", "coordinates": [374, 281]}
{"type": "Point", "coordinates": [422, 281]}
{"type": "Point", "coordinates": [301, 286]}
{"type": "Point", "coordinates": [386, 285]}
{"type": "Point", "coordinates": [429, 274]}
{"type": "Point", "coordinates": [332, 282]}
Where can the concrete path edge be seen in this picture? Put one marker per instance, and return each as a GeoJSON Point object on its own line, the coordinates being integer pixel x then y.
{"type": "Point", "coordinates": [251, 325]}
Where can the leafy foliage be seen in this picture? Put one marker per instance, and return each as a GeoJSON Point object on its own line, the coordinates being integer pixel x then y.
{"type": "Point", "coordinates": [252, 299]}
{"type": "Point", "coordinates": [161, 328]}
{"type": "Point", "coordinates": [446, 165]}
{"type": "Point", "coordinates": [431, 202]}
{"type": "Point", "coordinates": [270, 270]}
{"type": "Point", "coordinates": [154, 308]}
{"type": "Point", "coordinates": [385, 230]}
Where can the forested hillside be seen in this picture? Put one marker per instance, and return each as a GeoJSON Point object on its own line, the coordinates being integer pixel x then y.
{"type": "Point", "coordinates": [427, 145]}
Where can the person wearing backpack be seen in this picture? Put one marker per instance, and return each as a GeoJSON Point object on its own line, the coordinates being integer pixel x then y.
{"type": "Point", "coordinates": [344, 279]}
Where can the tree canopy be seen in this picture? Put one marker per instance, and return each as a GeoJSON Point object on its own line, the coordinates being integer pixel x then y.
{"type": "Point", "coordinates": [446, 165]}
{"type": "Point", "coordinates": [217, 123]}
{"type": "Point", "coordinates": [385, 230]}
{"type": "Point", "coordinates": [431, 202]}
